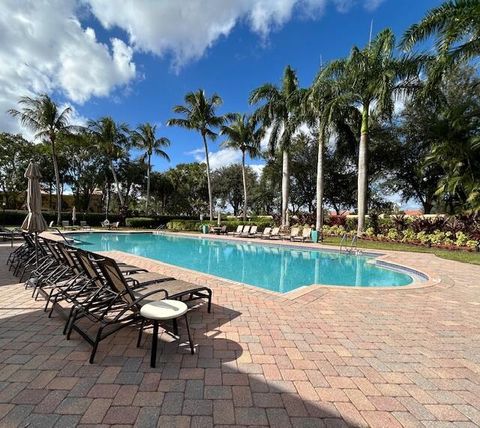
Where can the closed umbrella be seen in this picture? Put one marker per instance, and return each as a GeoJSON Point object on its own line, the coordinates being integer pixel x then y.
{"type": "Point", "coordinates": [74, 215]}
{"type": "Point", "coordinates": [34, 222]}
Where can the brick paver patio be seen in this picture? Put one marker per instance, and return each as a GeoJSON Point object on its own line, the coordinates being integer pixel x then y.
{"type": "Point", "coordinates": [330, 357]}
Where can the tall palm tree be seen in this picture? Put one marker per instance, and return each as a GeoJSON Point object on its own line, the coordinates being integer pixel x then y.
{"type": "Point", "coordinates": [455, 25]}
{"type": "Point", "coordinates": [280, 112]}
{"type": "Point", "coordinates": [317, 106]}
{"type": "Point", "coordinates": [42, 115]}
{"type": "Point", "coordinates": [112, 141]}
{"type": "Point", "coordinates": [243, 135]}
{"type": "Point", "coordinates": [368, 79]}
{"type": "Point", "coordinates": [144, 139]}
{"type": "Point", "coordinates": [200, 115]}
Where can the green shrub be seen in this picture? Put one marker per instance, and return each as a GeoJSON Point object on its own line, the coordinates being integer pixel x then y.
{"type": "Point", "coordinates": [142, 222]}
{"type": "Point", "coordinates": [180, 225]}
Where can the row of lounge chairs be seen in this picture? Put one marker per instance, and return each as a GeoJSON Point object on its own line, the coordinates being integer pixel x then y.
{"type": "Point", "coordinates": [96, 295]}
{"type": "Point", "coordinates": [295, 234]}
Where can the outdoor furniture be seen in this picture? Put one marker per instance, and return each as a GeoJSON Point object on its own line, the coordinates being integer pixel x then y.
{"type": "Point", "coordinates": [245, 231]}
{"type": "Point", "coordinates": [84, 225]}
{"type": "Point", "coordinates": [294, 233]}
{"type": "Point", "coordinates": [238, 231]}
{"type": "Point", "coordinates": [266, 233]}
{"type": "Point", "coordinates": [105, 223]}
{"type": "Point", "coordinates": [253, 231]}
{"type": "Point", "coordinates": [115, 225]}
{"type": "Point", "coordinates": [163, 310]}
{"type": "Point", "coordinates": [275, 234]}
{"type": "Point", "coordinates": [305, 236]}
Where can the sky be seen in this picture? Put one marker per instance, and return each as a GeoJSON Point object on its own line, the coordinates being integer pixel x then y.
{"type": "Point", "coordinates": [135, 59]}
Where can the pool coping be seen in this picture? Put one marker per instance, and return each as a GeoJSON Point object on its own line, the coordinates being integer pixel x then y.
{"type": "Point", "coordinates": [387, 258]}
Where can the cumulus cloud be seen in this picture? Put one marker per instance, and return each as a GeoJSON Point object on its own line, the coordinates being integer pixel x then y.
{"type": "Point", "coordinates": [45, 49]}
{"type": "Point", "coordinates": [186, 29]}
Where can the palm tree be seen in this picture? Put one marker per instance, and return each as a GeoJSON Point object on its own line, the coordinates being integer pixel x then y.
{"type": "Point", "coordinates": [456, 27]}
{"type": "Point", "coordinates": [112, 140]}
{"type": "Point", "coordinates": [199, 115]}
{"type": "Point", "coordinates": [367, 79]}
{"type": "Point", "coordinates": [42, 115]}
{"type": "Point", "coordinates": [317, 107]}
{"type": "Point", "coordinates": [243, 135]}
{"type": "Point", "coordinates": [281, 113]}
{"type": "Point", "coordinates": [144, 139]}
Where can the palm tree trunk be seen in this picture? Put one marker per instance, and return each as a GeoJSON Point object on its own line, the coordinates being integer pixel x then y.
{"type": "Point", "coordinates": [320, 181]}
{"type": "Point", "coordinates": [285, 188]}
{"type": "Point", "coordinates": [362, 172]}
{"type": "Point", "coordinates": [117, 185]}
{"type": "Point", "coordinates": [244, 176]}
{"type": "Point", "coordinates": [148, 184]}
{"type": "Point", "coordinates": [210, 198]}
{"type": "Point", "coordinates": [57, 181]}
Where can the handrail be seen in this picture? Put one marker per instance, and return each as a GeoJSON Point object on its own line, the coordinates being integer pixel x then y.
{"type": "Point", "coordinates": [60, 233]}
{"type": "Point", "coordinates": [342, 242]}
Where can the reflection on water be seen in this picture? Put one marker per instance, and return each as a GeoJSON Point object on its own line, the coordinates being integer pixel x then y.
{"type": "Point", "coordinates": [272, 267]}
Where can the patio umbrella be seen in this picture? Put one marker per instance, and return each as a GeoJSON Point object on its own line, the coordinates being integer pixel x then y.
{"type": "Point", "coordinates": [34, 222]}
{"type": "Point", "coordinates": [74, 215]}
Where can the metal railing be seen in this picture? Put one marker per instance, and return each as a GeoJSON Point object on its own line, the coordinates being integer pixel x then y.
{"type": "Point", "coordinates": [61, 234]}
{"type": "Point", "coordinates": [349, 247]}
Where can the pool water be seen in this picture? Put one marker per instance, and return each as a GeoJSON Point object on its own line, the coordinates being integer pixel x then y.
{"type": "Point", "coordinates": [273, 267]}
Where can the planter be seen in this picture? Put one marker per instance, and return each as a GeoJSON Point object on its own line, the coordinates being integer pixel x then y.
{"type": "Point", "coordinates": [314, 235]}
{"type": "Point", "coordinates": [205, 229]}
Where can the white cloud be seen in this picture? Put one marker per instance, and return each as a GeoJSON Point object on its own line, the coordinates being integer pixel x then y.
{"type": "Point", "coordinates": [371, 5]}
{"type": "Point", "coordinates": [218, 159]}
{"type": "Point", "coordinates": [44, 48]}
{"type": "Point", "coordinates": [186, 29]}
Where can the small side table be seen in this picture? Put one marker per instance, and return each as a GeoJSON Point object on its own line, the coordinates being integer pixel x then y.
{"type": "Point", "coordinates": [163, 310]}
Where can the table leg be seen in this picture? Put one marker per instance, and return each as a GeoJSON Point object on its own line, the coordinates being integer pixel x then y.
{"type": "Point", "coordinates": [153, 359]}
{"type": "Point", "coordinates": [189, 335]}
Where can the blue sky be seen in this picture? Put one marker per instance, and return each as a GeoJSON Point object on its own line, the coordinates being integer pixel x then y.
{"type": "Point", "coordinates": [153, 64]}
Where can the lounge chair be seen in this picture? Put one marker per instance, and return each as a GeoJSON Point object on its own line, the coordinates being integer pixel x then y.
{"type": "Point", "coordinates": [238, 231]}
{"type": "Point", "coordinates": [115, 225]}
{"type": "Point", "coordinates": [105, 223]}
{"type": "Point", "coordinates": [275, 233]}
{"type": "Point", "coordinates": [245, 232]}
{"type": "Point", "coordinates": [266, 233]}
{"type": "Point", "coordinates": [294, 234]}
{"type": "Point", "coordinates": [65, 224]}
{"type": "Point", "coordinates": [253, 232]}
{"type": "Point", "coordinates": [10, 233]}
{"type": "Point", "coordinates": [84, 225]}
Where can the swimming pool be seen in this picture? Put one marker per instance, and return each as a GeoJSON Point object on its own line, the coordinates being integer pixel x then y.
{"type": "Point", "coordinates": [273, 267]}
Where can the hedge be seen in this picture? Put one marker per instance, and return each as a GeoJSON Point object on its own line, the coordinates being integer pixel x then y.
{"type": "Point", "coordinates": [180, 225]}
{"type": "Point", "coordinates": [16, 217]}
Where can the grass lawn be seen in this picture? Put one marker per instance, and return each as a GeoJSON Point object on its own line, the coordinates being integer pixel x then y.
{"type": "Point", "coordinates": [459, 256]}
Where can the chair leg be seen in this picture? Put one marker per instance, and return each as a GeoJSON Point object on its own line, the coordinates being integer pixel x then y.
{"type": "Point", "coordinates": [209, 301]}
{"type": "Point", "coordinates": [153, 357]}
{"type": "Point", "coordinates": [95, 345]}
{"type": "Point", "coordinates": [192, 350]}
{"type": "Point", "coordinates": [175, 327]}
{"type": "Point", "coordinates": [140, 333]}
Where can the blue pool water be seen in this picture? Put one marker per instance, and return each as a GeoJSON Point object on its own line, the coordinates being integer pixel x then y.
{"type": "Point", "coordinates": [272, 267]}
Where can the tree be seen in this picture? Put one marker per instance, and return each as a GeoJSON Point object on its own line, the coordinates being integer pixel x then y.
{"type": "Point", "coordinates": [112, 140]}
{"type": "Point", "coordinates": [190, 192]}
{"type": "Point", "coordinates": [162, 191]}
{"type": "Point", "coordinates": [15, 154]}
{"type": "Point", "coordinates": [243, 135]}
{"type": "Point", "coordinates": [43, 116]}
{"type": "Point", "coordinates": [144, 139]}
{"type": "Point", "coordinates": [368, 78]}
{"type": "Point", "coordinates": [228, 185]}
{"type": "Point", "coordinates": [281, 113]}
{"type": "Point", "coordinates": [200, 115]}
{"type": "Point", "coordinates": [84, 167]}
{"type": "Point", "coordinates": [455, 25]}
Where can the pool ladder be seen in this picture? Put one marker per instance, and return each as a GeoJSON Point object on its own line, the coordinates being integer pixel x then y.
{"type": "Point", "coordinates": [349, 247]}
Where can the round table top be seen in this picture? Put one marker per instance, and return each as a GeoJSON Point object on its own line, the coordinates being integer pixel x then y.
{"type": "Point", "coordinates": [164, 309]}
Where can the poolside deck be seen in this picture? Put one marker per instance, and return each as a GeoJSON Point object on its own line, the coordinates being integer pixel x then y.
{"type": "Point", "coordinates": [330, 357]}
